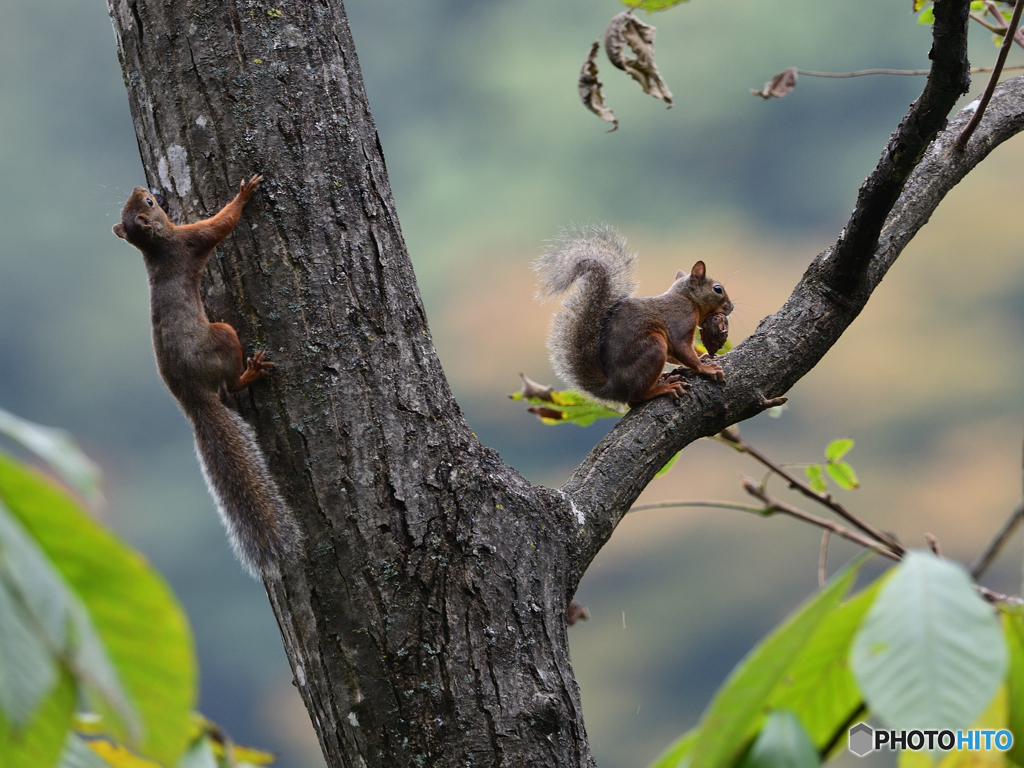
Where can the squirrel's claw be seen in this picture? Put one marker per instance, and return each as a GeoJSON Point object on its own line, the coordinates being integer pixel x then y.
{"type": "Point", "coordinates": [248, 188]}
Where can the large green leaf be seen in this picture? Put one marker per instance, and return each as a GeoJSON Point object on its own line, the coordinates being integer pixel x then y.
{"type": "Point", "coordinates": [1013, 629]}
{"type": "Point", "coordinates": [77, 754]}
{"type": "Point", "coordinates": [733, 716]}
{"type": "Point", "coordinates": [28, 668]}
{"type": "Point", "coordinates": [929, 653]}
{"type": "Point", "coordinates": [58, 449]}
{"type": "Point", "coordinates": [135, 615]}
{"type": "Point", "coordinates": [677, 751]}
{"type": "Point", "coordinates": [38, 743]}
{"type": "Point", "coordinates": [782, 743]}
{"type": "Point", "coordinates": [41, 623]}
{"type": "Point", "coordinates": [819, 686]}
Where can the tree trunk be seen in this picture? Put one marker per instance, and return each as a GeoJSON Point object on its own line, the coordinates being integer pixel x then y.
{"type": "Point", "coordinates": [426, 625]}
{"type": "Point", "coordinates": [426, 622]}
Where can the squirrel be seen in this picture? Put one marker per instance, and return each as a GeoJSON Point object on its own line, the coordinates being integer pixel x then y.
{"type": "Point", "coordinates": [610, 344]}
{"type": "Point", "coordinates": [200, 362]}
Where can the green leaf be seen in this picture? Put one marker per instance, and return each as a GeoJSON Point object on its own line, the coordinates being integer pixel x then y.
{"type": "Point", "coordinates": [838, 448]}
{"type": "Point", "coordinates": [652, 5]}
{"type": "Point", "coordinates": [199, 755]}
{"type": "Point", "coordinates": [735, 712]}
{"type": "Point", "coordinates": [677, 751]}
{"type": "Point", "coordinates": [930, 653]}
{"type": "Point", "coordinates": [919, 4]}
{"type": "Point", "coordinates": [818, 686]}
{"type": "Point", "coordinates": [927, 16]}
{"type": "Point", "coordinates": [77, 754]}
{"type": "Point", "coordinates": [28, 669]}
{"type": "Point", "coordinates": [1013, 630]}
{"type": "Point", "coordinates": [572, 407]}
{"type": "Point", "coordinates": [58, 449]}
{"type": "Point", "coordinates": [816, 477]}
{"type": "Point", "coordinates": [664, 470]}
{"type": "Point", "coordinates": [39, 742]}
{"type": "Point", "coordinates": [29, 583]}
{"type": "Point", "coordinates": [978, 5]}
{"type": "Point", "coordinates": [782, 743]}
{"type": "Point", "coordinates": [843, 475]}
{"type": "Point", "coordinates": [134, 613]}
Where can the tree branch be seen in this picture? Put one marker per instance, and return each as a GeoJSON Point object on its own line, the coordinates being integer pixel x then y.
{"type": "Point", "coordinates": [949, 79]}
{"type": "Point", "coordinates": [825, 499]}
{"type": "Point", "coordinates": [984, 560]}
{"type": "Point", "coordinates": [1009, 32]}
{"type": "Point", "coordinates": [784, 347]}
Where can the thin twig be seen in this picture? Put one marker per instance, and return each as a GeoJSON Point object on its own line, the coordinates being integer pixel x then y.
{"type": "Point", "coordinates": [984, 560]}
{"type": "Point", "coordinates": [1004, 49]}
{"type": "Point", "coordinates": [993, 28]}
{"type": "Point", "coordinates": [998, 597]}
{"type": "Point", "coordinates": [841, 730]}
{"type": "Point", "coordinates": [697, 503]}
{"type": "Point", "coordinates": [774, 505]}
{"type": "Point", "coordinates": [906, 72]}
{"type": "Point", "coordinates": [824, 499]}
{"type": "Point", "coordinates": [823, 557]}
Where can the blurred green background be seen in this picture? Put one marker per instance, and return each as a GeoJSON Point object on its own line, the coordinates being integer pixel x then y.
{"type": "Point", "coordinates": [490, 153]}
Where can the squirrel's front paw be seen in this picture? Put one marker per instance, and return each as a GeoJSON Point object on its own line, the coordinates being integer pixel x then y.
{"type": "Point", "coordinates": [248, 188]}
{"type": "Point", "coordinates": [713, 371]}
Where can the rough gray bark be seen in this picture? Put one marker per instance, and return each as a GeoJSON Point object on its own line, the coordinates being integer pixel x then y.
{"type": "Point", "coordinates": [426, 622]}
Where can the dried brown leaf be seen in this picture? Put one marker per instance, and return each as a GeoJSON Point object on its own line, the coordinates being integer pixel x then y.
{"type": "Point", "coordinates": [626, 29]}
{"type": "Point", "coordinates": [546, 413]}
{"type": "Point", "coordinates": [590, 89]}
{"type": "Point", "coordinates": [778, 86]}
{"type": "Point", "coordinates": [576, 612]}
{"type": "Point", "coordinates": [532, 389]}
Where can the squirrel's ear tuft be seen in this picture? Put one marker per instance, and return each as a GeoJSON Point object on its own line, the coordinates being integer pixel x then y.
{"type": "Point", "coordinates": [119, 230]}
{"type": "Point", "coordinates": [698, 271]}
{"type": "Point", "coordinates": [680, 275]}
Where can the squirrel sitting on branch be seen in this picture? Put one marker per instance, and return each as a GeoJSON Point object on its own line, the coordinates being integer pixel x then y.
{"type": "Point", "coordinates": [614, 346]}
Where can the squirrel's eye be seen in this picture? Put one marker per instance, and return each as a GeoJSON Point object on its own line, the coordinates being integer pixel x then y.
{"type": "Point", "coordinates": [718, 289]}
{"type": "Point", "coordinates": [149, 201]}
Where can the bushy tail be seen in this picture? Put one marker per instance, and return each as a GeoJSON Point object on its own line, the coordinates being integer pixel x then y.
{"type": "Point", "coordinates": [595, 259]}
{"type": "Point", "coordinates": [260, 525]}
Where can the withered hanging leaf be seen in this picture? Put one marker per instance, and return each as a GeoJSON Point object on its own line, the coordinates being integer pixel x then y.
{"type": "Point", "coordinates": [576, 612]}
{"type": "Point", "coordinates": [626, 29]}
{"type": "Point", "coordinates": [590, 89]}
{"type": "Point", "coordinates": [532, 389]}
{"type": "Point", "coordinates": [778, 86]}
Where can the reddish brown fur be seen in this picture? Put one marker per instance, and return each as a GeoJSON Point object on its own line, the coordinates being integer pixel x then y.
{"type": "Point", "coordinates": [199, 361]}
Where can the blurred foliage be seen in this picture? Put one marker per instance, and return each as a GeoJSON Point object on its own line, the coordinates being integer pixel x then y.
{"type": "Point", "coordinates": [86, 622]}
{"type": "Point", "coordinates": [919, 647]}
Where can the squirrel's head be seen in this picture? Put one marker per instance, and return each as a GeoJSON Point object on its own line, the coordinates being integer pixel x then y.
{"type": "Point", "coordinates": [143, 218]}
{"type": "Point", "coordinates": [707, 293]}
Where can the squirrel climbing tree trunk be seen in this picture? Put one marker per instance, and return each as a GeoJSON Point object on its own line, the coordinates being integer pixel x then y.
{"type": "Point", "coordinates": [426, 619]}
